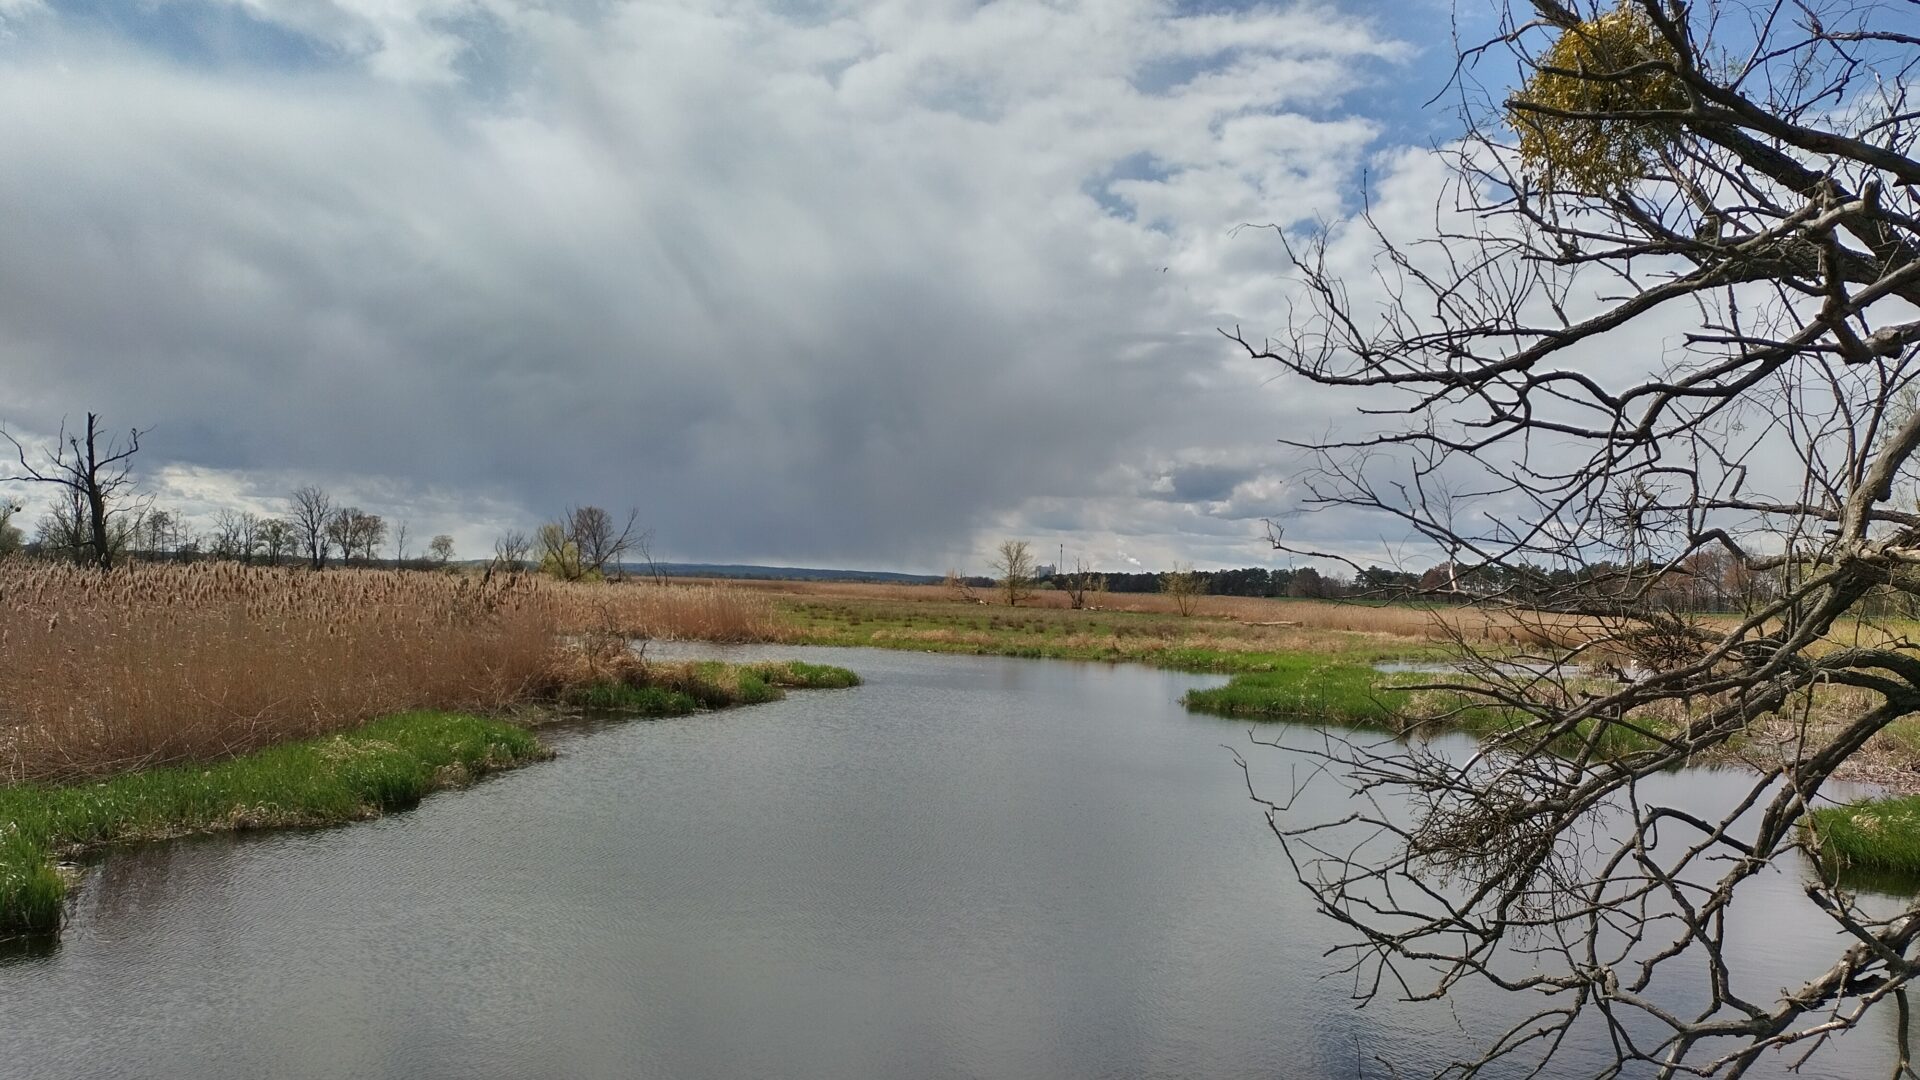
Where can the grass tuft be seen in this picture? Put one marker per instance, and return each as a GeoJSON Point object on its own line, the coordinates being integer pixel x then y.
{"type": "Point", "coordinates": [1304, 687]}
{"type": "Point", "coordinates": [1874, 837]}
{"type": "Point", "coordinates": [659, 690]}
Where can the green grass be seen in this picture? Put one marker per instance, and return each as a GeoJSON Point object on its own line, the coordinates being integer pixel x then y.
{"type": "Point", "coordinates": [682, 689]}
{"type": "Point", "coordinates": [1304, 687]}
{"type": "Point", "coordinates": [637, 700]}
{"type": "Point", "coordinates": [1877, 837]}
{"type": "Point", "coordinates": [389, 763]}
{"type": "Point", "coordinates": [1316, 689]}
{"type": "Point", "coordinates": [799, 675]}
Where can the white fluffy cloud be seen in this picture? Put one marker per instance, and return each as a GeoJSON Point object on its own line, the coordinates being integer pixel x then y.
{"type": "Point", "coordinates": [851, 283]}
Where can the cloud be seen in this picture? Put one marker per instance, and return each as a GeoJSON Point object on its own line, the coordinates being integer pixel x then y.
{"type": "Point", "coordinates": [844, 283]}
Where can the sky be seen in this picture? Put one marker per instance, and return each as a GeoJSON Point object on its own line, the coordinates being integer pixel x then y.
{"type": "Point", "coordinates": [855, 284]}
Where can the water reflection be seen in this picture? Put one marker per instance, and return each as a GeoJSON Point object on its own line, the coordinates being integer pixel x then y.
{"type": "Point", "coordinates": [969, 867]}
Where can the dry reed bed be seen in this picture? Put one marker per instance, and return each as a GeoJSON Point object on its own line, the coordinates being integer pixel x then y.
{"type": "Point", "coordinates": [153, 664]}
{"type": "Point", "coordinates": [100, 673]}
{"type": "Point", "coordinates": [695, 611]}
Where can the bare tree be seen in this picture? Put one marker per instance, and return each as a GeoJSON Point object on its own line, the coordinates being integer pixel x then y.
{"type": "Point", "coordinates": [310, 512]}
{"type": "Point", "coordinates": [956, 582]}
{"type": "Point", "coordinates": [1184, 586]}
{"type": "Point", "coordinates": [1014, 561]}
{"type": "Point", "coordinates": [342, 531]}
{"type": "Point", "coordinates": [62, 530]}
{"type": "Point", "coordinates": [601, 541]}
{"type": "Point", "coordinates": [95, 472]}
{"type": "Point", "coordinates": [511, 549]}
{"type": "Point", "coordinates": [11, 539]}
{"type": "Point", "coordinates": [1674, 315]}
{"type": "Point", "coordinates": [236, 536]}
{"type": "Point", "coordinates": [356, 533]}
{"type": "Point", "coordinates": [1081, 582]}
{"type": "Point", "coordinates": [278, 541]}
{"type": "Point", "coordinates": [440, 550]}
{"type": "Point", "coordinates": [400, 545]}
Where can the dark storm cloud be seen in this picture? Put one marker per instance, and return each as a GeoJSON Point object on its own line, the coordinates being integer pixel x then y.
{"type": "Point", "coordinates": [833, 290]}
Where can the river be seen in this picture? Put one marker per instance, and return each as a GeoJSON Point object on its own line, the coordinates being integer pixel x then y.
{"type": "Point", "coordinates": [968, 867]}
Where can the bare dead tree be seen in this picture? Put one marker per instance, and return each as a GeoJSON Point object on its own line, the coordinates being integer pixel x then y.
{"type": "Point", "coordinates": [235, 536]}
{"type": "Point", "coordinates": [1080, 582]}
{"type": "Point", "coordinates": [95, 472]}
{"type": "Point", "coordinates": [511, 549]}
{"type": "Point", "coordinates": [310, 511]}
{"type": "Point", "coordinates": [1665, 308]}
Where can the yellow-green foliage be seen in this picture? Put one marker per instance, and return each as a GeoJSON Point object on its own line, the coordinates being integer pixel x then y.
{"type": "Point", "coordinates": [1602, 66]}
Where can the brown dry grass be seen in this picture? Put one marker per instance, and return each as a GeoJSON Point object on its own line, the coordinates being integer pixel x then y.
{"type": "Point", "coordinates": [1396, 620]}
{"type": "Point", "coordinates": [695, 611]}
{"type": "Point", "coordinates": [106, 672]}
{"type": "Point", "coordinates": [151, 664]}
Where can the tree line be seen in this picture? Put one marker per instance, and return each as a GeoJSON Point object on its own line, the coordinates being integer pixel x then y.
{"type": "Point", "coordinates": [98, 519]}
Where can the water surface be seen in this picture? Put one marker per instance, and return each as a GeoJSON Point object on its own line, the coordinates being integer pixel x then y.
{"type": "Point", "coordinates": [968, 867]}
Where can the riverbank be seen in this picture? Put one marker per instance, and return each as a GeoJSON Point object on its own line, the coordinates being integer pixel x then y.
{"type": "Point", "coordinates": [1282, 672]}
{"type": "Point", "coordinates": [388, 764]}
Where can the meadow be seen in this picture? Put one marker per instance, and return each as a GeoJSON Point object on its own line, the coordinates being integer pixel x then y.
{"type": "Point", "coordinates": [156, 668]}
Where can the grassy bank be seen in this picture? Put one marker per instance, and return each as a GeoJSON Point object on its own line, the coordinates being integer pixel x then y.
{"type": "Point", "coordinates": [1280, 672]}
{"type": "Point", "coordinates": [349, 776]}
{"type": "Point", "coordinates": [1305, 687]}
{"type": "Point", "coordinates": [657, 690]}
{"type": "Point", "coordinates": [1875, 838]}
{"type": "Point", "coordinates": [390, 763]}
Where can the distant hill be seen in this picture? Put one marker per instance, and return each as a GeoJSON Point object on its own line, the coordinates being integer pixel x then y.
{"type": "Point", "coordinates": [781, 573]}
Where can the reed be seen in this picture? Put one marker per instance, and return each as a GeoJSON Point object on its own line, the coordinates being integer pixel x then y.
{"type": "Point", "coordinates": [103, 673]}
{"type": "Point", "coordinates": [151, 664]}
{"type": "Point", "coordinates": [675, 612]}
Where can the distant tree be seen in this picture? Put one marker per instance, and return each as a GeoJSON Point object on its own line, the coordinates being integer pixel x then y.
{"type": "Point", "coordinates": [400, 545]}
{"type": "Point", "coordinates": [356, 533]}
{"type": "Point", "coordinates": [1079, 582]}
{"type": "Point", "coordinates": [156, 533]}
{"type": "Point", "coordinates": [1308, 584]}
{"type": "Point", "coordinates": [440, 549]}
{"type": "Point", "coordinates": [600, 540]}
{"type": "Point", "coordinates": [97, 476]}
{"type": "Point", "coordinates": [11, 538]}
{"type": "Point", "coordinates": [340, 531]}
{"type": "Point", "coordinates": [1015, 565]}
{"type": "Point", "coordinates": [310, 512]}
{"type": "Point", "coordinates": [510, 550]}
{"type": "Point", "coordinates": [279, 541]}
{"type": "Point", "coordinates": [61, 533]}
{"type": "Point", "coordinates": [1184, 586]}
{"type": "Point", "coordinates": [235, 536]}
{"type": "Point", "coordinates": [559, 555]}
